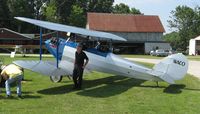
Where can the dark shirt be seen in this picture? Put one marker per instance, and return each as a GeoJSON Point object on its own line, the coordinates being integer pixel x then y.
{"type": "Point", "coordinates": [79, 58]}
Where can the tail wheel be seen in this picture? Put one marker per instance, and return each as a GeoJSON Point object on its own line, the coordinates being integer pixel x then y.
{"type": "Point", "coordinates": [56, 79]}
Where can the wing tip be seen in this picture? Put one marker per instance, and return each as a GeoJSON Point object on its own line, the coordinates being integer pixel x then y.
{"type": "Point", "coordinates": [17, 17]}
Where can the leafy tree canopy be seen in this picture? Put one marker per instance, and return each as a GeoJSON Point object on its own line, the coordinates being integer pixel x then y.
{"type": "Point", "coordinates": [186, 22]}
{"type": "Point", "coordinates": [124, 9]}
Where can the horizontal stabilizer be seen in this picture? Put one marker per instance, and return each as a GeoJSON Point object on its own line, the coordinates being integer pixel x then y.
{"type": "Point", "coordinates": [44, 67]}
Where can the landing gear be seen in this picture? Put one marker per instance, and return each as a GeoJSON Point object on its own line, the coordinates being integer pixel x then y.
{"type": "Point", "coordinates": [56, 79]}
{"type": "Point", "coordinates": [69, 77]}
{"type": "Point", "coordinates": [157, 83]}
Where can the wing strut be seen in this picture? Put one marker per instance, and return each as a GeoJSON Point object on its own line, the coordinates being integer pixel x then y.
{"type": "Point", "coordinates": [57, 49]}
{"type": "Point", "coordinates": [40, 43]}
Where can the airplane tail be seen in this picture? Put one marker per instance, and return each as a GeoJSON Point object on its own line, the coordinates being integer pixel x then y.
{"type": "Point", "coordinates": [171, 68]}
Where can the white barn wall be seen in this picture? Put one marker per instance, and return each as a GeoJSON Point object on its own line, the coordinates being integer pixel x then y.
{"type": "Point", "coordinates": [192, 47]}
{"type": "Point", "coordinates": [141, 37]}
{"type": "Point", "coordinates": [151, 40]}
{"type": "Point", "coordinates": [152, 46]}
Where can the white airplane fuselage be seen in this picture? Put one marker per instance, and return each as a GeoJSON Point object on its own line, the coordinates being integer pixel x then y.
{"type": "Point", "coordinates": [107, 63]}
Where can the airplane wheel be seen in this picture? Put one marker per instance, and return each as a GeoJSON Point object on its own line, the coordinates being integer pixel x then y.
{"type": "Point", "coordinates": [56, 79]}
{"type": "Point", "coordinates": [70, 77]}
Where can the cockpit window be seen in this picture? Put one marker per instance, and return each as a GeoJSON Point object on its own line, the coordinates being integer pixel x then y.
{"type": "Point", "coordinates": [54, 41]}
{"type": "Point", "coordinates": [102, 47]}
{"type": "Point", "coordinates": [99, 46]}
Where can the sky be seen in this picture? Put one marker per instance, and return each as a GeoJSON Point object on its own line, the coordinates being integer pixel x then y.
{"type": "Point", "coordinates": [162, 8]}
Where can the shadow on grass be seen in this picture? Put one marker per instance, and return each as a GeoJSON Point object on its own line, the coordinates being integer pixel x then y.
{"type": "Point", "coordinates": [110, 86]}
{"type": "Point", "coordinates": [103, 87]}
{"type": "Point", "coordinates": [31, 97]}
{"type": "Point", "coordinates": [177, 88]}
{"type": "Point", "coordinates": [191, 89]}
{"type": "Point", "coordinates": [56, 90]}
{"type": "Point", "coordinates": [2, 84]}
{"type": "Point", "coordinates": [171, 89]}
{"type": "Point", "coordinates": [174, 88]}
{"type": "Point", "coordinates": [27, 80]}
{"type": "Point", "coordinates": [153, 86]}
{"type": "Point", "coordinates": [14, 97]}
{"type": "Point", "coordinates": [23, 92]}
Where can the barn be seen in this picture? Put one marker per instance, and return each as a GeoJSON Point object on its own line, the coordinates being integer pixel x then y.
{"type": "Point", "coordinates": [194, 46]}
{"type": "Point", "coordinates": [25, 43]}
{"type": "Point", "coordinates": [143, 32]}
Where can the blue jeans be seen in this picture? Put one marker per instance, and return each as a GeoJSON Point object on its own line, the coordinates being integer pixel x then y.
{"type": "Point", "coordinates": [18, 80]}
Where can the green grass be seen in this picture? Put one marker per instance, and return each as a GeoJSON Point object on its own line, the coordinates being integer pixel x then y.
{"type": "Point", "coordinates": [141, 56]}
{"type": "Point", "coordinates": [102, 94]}
{"type": "Point", "coordinates": [196, 58]}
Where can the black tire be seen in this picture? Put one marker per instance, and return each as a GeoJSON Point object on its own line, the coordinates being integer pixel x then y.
{"type": "Point", "coordinates": [56, 79]}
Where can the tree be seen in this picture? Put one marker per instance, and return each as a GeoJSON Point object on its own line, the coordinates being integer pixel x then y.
{"type": "Point", "coordinates": [74, 12]}
{"type": "Point", "coordinates": [38, 5]}
{"type": "Point", "coordinates": [186, 22]}
{"type": "Point", "coordinates": [77, 17]}
{"type": "Point", "coordinates": [64, 9]}
{"type": "Point", "coordinates": [23, 8]}
{"type": "Point", "coordinates": [50, 12]}
{"type": "Point", "coordinates": [135, 11]}
{"type": "Point", "coordinates": [101, 6]}
{"type": "Point", "coordinates": [58, 10]}
{"type": "Point", "coordinates": [174, 39]}
{"type": "Point", "coordinates": [4, 14]}
{"type": "Point", "coordinates": [124, 9]}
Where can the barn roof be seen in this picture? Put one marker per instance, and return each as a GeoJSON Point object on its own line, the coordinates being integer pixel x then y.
{"type": "Point", "coordinates": [7, 33]}
{"type": "Point", "coordinates": [197, 38]}
{"type": "Point", "coordinates": [124, 22]}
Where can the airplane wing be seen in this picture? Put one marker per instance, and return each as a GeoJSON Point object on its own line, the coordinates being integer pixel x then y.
{"type": "Point", "coordinates": [44, 67]}
{"type": "Point", "coordinates": [66, 28]}
{"type": "Point", "coordinates": [48, 67]}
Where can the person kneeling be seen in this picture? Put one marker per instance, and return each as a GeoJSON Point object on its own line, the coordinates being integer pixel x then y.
{"type": "Point", "coordinates": [12, 74]}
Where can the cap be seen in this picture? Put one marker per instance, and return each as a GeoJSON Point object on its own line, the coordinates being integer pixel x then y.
{"type": "Point", "coordinates": [80, 45]}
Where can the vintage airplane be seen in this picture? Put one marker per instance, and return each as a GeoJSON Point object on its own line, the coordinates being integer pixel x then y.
{"type": "Point", "coordinates": [170, 69]}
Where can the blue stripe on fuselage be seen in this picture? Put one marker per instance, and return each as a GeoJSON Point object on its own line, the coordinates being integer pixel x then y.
{"type": "Point", "coordinates": [52, 48]}
{"type": "Point", "coordinates": [90, 50]}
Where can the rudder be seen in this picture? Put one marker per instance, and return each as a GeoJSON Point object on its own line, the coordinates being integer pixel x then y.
{"type": "Point", "coordinates": [171, 68]}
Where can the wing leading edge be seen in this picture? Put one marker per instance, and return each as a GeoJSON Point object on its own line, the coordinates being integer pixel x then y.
{"type": "Point", "coordinates": [66, 28]}
{"type": "Point", "coordinates": [44, 67]}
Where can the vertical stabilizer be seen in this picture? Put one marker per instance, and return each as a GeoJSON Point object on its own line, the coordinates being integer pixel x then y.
{"type": "Point", "coordinates": [171, 68]}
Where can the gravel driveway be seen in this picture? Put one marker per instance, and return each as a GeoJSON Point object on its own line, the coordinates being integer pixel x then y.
{"type": "Point", "coordinates": [194, 66]}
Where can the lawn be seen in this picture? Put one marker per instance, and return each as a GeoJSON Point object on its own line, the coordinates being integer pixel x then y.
{"type": "Point", "coordinates": [141, 56]}
{"type": "Point", "coordinates": [195, 58]}
{"type": "Point", "coordinates": [102, 94]}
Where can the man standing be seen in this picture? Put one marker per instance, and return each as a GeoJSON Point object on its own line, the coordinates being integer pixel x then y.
{"type": "Point", "coordinates": [79, 65]}
{"type": "Point", "coordinates": [12, 73]}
